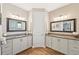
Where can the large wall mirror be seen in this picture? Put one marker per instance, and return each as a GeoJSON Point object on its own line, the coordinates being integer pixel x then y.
{"type": "Point", "coordinates": [14, 25]}
{"type": "Point", "coordinates": [63, 26]}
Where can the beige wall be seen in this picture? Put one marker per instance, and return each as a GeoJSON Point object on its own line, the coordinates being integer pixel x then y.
{"type": "Point", "coordinates": [7, 10]}
{"type": "Point", "coordinates": [72, 10]}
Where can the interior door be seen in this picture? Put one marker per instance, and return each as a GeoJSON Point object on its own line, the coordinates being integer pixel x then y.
{"type": "Point", "coordinates": [38, 29]}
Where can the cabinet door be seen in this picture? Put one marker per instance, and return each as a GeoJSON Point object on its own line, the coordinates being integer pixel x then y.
{"type": "Point", "coordinates": [56, 44]}
{"type": "Point", "coordinates": [16, 46]}
{"type": "Point", "coordinates": [48, 41]}
{"type": "Point", "coordinates": [21, 43]}
{"type": "Point", "coordinates": [60, 45]}
{"type": "Point", "coordinates": [24, 43]}
{"type": "Point", "coordinates": [0, 50]}
{"type": "Point", "coordinates": [29, 41]}
{"type": "Point", "coordinates": [73, 47]}
{"type": "Point", "coordinates": [63, 46]}
{"type": "Point", "coordinates": [7, 48]}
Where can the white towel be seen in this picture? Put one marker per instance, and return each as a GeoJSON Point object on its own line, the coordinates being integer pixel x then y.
{"type": "Point", "coordinates": [4, 41]}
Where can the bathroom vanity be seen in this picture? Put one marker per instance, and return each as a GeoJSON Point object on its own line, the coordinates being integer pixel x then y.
{"type": "Point", "coordinates": [16, 43]}
{"type": "Point", "coordinates": [65, 44]}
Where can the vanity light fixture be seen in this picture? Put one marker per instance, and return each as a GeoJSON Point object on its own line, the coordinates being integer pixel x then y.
{"type": "Point", "coordinates": [16, 16]}
{"type": "Point", "coordinates": [61, 17]}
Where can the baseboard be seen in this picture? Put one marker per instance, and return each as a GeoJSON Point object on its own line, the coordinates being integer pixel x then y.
{"type": "Point", "coordinates": [38, 47]}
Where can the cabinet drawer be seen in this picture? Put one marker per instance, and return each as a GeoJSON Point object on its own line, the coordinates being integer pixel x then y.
{"type": "Point", "coordinates": [6, 49]}
{"type": "Point", "coordinates": [6, 46]}
{"type": "Point", "coordinates": [74, 42]}
{"type": "Point", "coordinates": [7, 53]}
{"type": "Point", "coordinates": [9, 43]}
{"type": "Point", "coordinates": [73, 52]}
{"type": "Point", "coordinates": [73, 47]}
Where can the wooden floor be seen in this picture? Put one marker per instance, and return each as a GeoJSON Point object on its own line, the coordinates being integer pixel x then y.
{"type": "Point", "coordinates": [39, 51]}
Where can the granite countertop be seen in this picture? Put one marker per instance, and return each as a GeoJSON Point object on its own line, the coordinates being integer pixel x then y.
{"type": "Point", "coordinates": [72, 37]}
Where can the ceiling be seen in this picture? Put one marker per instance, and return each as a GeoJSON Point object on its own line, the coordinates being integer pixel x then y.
{"type": "Point", "coordinates": [47, 6]}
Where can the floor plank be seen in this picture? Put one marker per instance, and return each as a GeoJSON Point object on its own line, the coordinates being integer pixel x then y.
{"type": "Point", "coordinates": [39, 51]}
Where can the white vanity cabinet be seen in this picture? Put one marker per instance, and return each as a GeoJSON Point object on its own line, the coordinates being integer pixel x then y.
{"type": "Point", "coordinates": [49, 41]}
{"type": "Point", "coordinates": [73, 47]}
{"type": "Point", "coordinates": [7, 48]}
